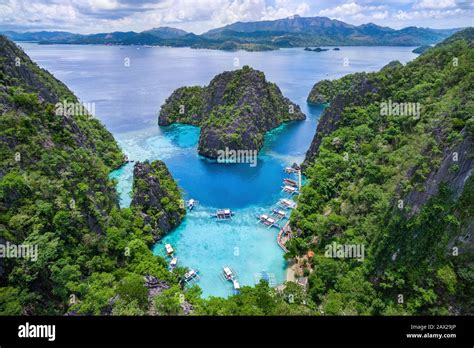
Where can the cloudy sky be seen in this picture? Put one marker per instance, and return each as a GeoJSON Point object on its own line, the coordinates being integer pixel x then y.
{"type": "Point", "coordinates": [91, 16]}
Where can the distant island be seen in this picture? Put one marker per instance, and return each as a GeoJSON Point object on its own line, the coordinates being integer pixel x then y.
{"type": "Point", "coordinates": [234, 111]}
{"type": "Point", "coordinates": [289, 32]}
{"type": "Point", "coordinates": [317, 49]}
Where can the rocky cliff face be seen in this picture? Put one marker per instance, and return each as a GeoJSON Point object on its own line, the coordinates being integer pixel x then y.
{"type": "Point", "coordinates": [455, 169]}
{"type": "Point", "coordinates": [157, 198]}
{"type": "Point", "coordinates": [349, 91]}
{"type": "Point", "coordinates": [398, 181]}
{"type": "Point", "coordinates": [234, 111]}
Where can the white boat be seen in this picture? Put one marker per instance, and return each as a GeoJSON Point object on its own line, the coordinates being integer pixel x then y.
{"type": "Point", "coordinates": [279, 213]}
{"type": "Point", "coordinates": [223, 214]}
{"type": "Point", "coordinates": [287, 203]}
{"type": "Point", "coordinates": [228, 274]}
{"type": "Point", "coordinates": [236, 285]}
{"type": "Point", "coordinates": [191, 204]}
{"type": "Point", "coordinates": [289, 189]}
{"type": "Point", "coordinates": [169, 249]}
{"type": "Point", "coordinates": [191, 275]}
{"type": "Point", "coordinates": [174, 262]}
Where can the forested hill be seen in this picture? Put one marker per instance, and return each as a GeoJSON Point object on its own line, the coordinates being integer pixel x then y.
{"type": "Point", "coordinates": [395, 178]}
{"type": "Point", "coordinates": [234, 111]}
{"type": "Point", "coordinates": [294, 31]}
{"type": "Point", "coordinates": [55, 195]}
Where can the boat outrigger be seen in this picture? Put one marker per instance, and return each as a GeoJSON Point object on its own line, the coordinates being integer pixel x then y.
{"type": "Point", "coordinates": [191, 204]}
{"type": "Point", "coordinates": [236, 286]}
{"type": "Point", "coordinates": [173, 263]}
{"type": "Point", "coordinates": [169, 249]}
{"type": "Point", "coordinates": [228, 273]}
{"type": "Point", "coordinates": [266, 220]}
{"type": "Point", "coordinates": [279, 213]}
{"type": "Point", "coordinates": [223, 214]}
{"type": "Point", "coordinates": [290, 182]}
{"type": "Point", "coordinates": [287, 204]}
{"type": "Point", "coordinates": [289, 189]}
{"type": "Point", "coordinates": [191, 276]}
{"type": "Point", "coordinates": [290, 170]}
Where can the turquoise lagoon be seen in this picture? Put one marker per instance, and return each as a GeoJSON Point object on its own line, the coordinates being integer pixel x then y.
{"type": "Point", "coordinates": [127, 101]}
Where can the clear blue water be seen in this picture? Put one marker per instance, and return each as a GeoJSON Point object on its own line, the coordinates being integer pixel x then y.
{"type": "Point", "coordinates": [127, 100]}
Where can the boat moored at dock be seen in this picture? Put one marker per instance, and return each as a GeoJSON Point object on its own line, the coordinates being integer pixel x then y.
{"type": "Point", "coordinates": [287, 203]}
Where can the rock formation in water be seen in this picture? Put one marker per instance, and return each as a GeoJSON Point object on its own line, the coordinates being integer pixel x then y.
{"type": "Point", "coordinates": [157, 198]}
{"type": "Point", "coordinates": [234, 111]}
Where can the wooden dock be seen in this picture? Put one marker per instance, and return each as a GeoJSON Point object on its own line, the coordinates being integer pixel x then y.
{"type": "Point", "coordinates": [284, 236]}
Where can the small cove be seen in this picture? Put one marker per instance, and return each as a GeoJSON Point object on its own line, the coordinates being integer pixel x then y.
{"type": "Point", "coordinates": [127, 100]}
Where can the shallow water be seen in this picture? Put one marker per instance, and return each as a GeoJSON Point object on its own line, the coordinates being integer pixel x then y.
{"type": "Point", "coordinates": [127, 100]}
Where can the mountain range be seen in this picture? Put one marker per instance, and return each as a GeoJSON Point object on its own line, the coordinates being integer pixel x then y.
{"type": "Point", "coordinates": [289, 32]}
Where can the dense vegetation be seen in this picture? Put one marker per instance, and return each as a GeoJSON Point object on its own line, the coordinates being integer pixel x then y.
{"type": "Point", "coordinates": [157, 198]}
{"type": "Point", "coordinates": [234, 111]}
{"type": "Point", "coordinates": [93, 256]}
{"type": "Point", "coordinates": [55, 194]}
{"type": "Point", "coordinates": [391, 183]}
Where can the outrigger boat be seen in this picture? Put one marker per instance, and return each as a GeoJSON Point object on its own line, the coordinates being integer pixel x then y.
{"type": "Point", "coordinates": [287, 204]}
{"type": "Point", "coordinates": [173, 263]}
{"type": "Point", "coordinates": [191, 276]}
{"type": "Point", "coordinates": [228, 273]}
{"type": "Point", "coordinates": [266, 220]}
{"type": "Point", "coordinates": [290, 170]}
{"type": "Point", "coordinates": [191, 204]}
{"type": "Point", "coordinates": [289, 189]}
{"type": "Point", "coordinates": [223, 214]}
{"type": "Point", "coordinates": [169, 249]}
{"type": "Point", "coordinates": [279, 213]}
{"type": "Point", "coordinates": [290, 182]}
{"type": "Point", "coordinates": [236, 286]}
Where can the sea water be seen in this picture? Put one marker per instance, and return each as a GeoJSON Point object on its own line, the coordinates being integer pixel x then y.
{"type": "Point", "coordinates": [129, 84]}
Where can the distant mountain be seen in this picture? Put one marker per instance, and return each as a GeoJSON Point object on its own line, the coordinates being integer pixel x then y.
{"type": "Point", "coordinates": [316, 31]}
{"type": "Point", "coordinates": [41, 36]}
{"type": "Point", "coordinates": [257, 36]}
{"type": "Point", "coordinates": [166, 32]}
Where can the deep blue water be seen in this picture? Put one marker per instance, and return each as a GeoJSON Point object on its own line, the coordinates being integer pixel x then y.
{"type": "Point", "coordinates": [127, 100]}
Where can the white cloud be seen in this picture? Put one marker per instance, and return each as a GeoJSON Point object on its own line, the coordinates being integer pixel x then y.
{"type": "Point", "coordinates": [434, 4]}
{"type": "Point", "coordinates": [90, 16]}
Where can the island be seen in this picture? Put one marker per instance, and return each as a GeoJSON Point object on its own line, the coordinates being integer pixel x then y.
{"type": "Point", "coordinates": [317, 49]}
{"type": "Point", "coordinates": [234, 111]}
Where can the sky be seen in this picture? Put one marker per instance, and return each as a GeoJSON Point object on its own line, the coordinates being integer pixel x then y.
{"type": "Point", "coordinates": [198, 16]}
